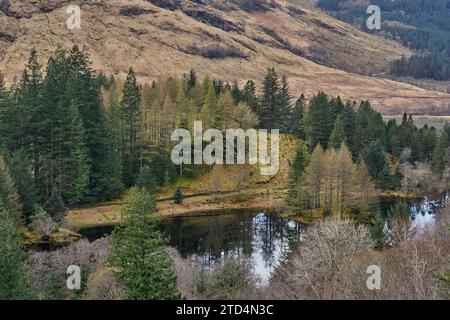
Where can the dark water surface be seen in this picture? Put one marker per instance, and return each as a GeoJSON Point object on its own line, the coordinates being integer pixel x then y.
{"type": "Point", "coordinates": [261, 239]}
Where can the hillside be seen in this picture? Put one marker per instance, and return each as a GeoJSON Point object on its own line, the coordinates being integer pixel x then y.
{"type": "Point", "coordinates": [224, 39]}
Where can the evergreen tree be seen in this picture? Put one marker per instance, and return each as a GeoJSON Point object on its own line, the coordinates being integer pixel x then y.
{"type": "Point", "coordinates": [131, 100]}
{"type": "Point", "coordinates": [191, 79]}
{"type": "Point", "coordinates": [30, 110]}
{"type": "Point", "coordinates": [319, 121]}
{"type": "Point", "coordinates": [347, 116]}
{"type": "Point", "coordinates": [75, 165]}
{"type": "Point", "coordinates": [209, 110]}
{"type": "Point", "coordinates": [84, 91]}
{"type": "Point", "coordinates": [10, 133]}
{"type": "Point", "coordinates": [14, 281]}
{"type": "Point", "coordinates": [236, 92]}
{"type": "Point", "coordinates": [284, 106]}
{"type": "Point", "coordinates": [378, 230]}
{"type": "Point", "coordinates": [55, 206]}
{"type": "Point", "coordinates": [138, 252]}
{"type": "Point", "coordinates": [297, 121]}
{"type": "Point", "coordinates": [146, 180]}
{"type": "Point", "coordinates": [249, 96]}
{"type": "Point", "coordinates": [437, 162]}
{"type": "Point", "coordinates": [20, 170]}
{"type": "Point", "coordinates": [375, 158]}
{"type": "Point", "coordinates": [178, 196]}
{"type": "Point", "coordinates": [268, 112]}
{"type": "Point", "coordinates": [337, 137]}
{"type": "Point", "coordinates": [369, 127]}
{"type": "Point", "coordinates": [295, 197]}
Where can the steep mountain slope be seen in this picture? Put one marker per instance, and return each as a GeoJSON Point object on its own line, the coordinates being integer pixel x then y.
{"type": "Point", "coordinates": [224, 39]}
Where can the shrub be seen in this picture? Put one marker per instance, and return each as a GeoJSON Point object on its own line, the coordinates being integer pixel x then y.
{"type": "Point", "coordinates": [216, 51]}
{"type": "Point", "coordinates": [178, 197]}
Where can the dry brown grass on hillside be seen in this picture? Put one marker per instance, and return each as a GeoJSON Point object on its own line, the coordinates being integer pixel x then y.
{"type": "Point", "coordinates": [162, 40]}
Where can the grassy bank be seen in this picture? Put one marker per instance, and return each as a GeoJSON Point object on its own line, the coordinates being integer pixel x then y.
{"type": "Point", "coordinates": [194, 205]}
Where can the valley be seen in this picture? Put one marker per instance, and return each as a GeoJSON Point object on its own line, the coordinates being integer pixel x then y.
{"type": "Point", "coordinates": [135, 161]}
{"type": "Point", "coordinates": [160, 42]}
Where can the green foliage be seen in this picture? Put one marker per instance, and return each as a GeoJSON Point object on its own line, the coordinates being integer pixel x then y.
{"type": "Point", "coordinates": [131, 99]}
{"type": "Point", "coordinates": [297, 119]}
{"type": "Point", "coordinates": [274, 108]}
{"type": "Point", "coordinates": [138, 254]}
{"type": "Point", "coordinates": [294, 195]}
{"type": "Point", "coordinates": [437, 162]}
{"type": "Point", "coordinates": [374, 157]}
{"type": "Point", "coordinates": [369, 127]}
{"type": "Point", "coordinates": [178, 196]}
{"type": "Point", "coordinates": [14, 281]}
{"type": "Point", "coordinates": [337, 137]}
{"type": "Point", "coordinates": [20, 170]}
{"type": "Point", "coordinates": [377, 230]}
{"type": "Point", "coordinates": [420, 25]}
{"type": "Point", "coordinates": [146, 180]}
{"type": "Point", "coordinates": [319, 120]}
{"type": "Point", "coordinates": [399, 212]}
{"type": "Point", "coordinates": [55, 206]}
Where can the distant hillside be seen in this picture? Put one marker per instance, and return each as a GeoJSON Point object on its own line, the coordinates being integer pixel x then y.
{"type": "Point", "coordinates": [424, 26]}
{"type": "Point", "coordinates": [222, 39]}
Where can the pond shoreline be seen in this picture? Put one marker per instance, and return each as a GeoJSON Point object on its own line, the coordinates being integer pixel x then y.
{"type": "Point", "coordinates": [197, 205]}
{"type": "Point", "coordinates": [193, 206]}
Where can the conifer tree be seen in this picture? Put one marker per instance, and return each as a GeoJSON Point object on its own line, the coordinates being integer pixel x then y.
{"type": "Point", "coordinates": [374, 157]}
{"type": "Point", "coordinates": [297, 120]}
{"type": "Point", "coordinates": [284, 106]}
{"type": "Point", "coordinates": [315, 173]}
{"type": "Point", "coordinates": [319, 121]}
{"type": "Point", "coordinates": [236, 92]}
{"type": "Point", "coordinates": [337, 137]}
{"type": "Point", "coordinates": [178, 197]}
{"type": "Point", "coordinates": [138, 252]}
{"type": "Point", "coordinates": [55, 206]}
{"type": "Point", "coordinates": [84, 91]}
{"type": "Point", "coordinates": [131, 99]}
{"type": "Point", "coordinates": [9, 131]}
{"type": "Point", "coordinates": [20, 170]}
{"type": "Point", "coordinates": [210, 107]}
{"type": "Point", "coordinates": [30, 102]}
{"type": "Point", "coordinates": [437, 162]}
{"type": "Point", "coordinates": [14, 281]}
{"type": "Point", "coordinates": [249, 96]}
{"type": "Point", "coordinates": [295, 197]}
{"type": "Point", "coordinates": [191, 79]}
{"type": "Point", "coordinates": [369, 127]}
{"type": "Point", "coordinates": [347, 117]}
{"type": "Point", "coordinates": [268, 112]}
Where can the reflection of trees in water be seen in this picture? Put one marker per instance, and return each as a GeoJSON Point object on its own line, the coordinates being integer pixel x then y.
{"type": "Point", "coordinates": [426, 206]}
{"type": "Point", "coordinates": [275, 236]}
{"type": "Point", "coordinates": [239, 235]}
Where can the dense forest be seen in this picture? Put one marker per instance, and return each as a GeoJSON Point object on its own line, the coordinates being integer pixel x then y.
{"type": "Point", "coordinates": [421, 25]}
{"type": "Point", "coordinates": [71, 136]}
